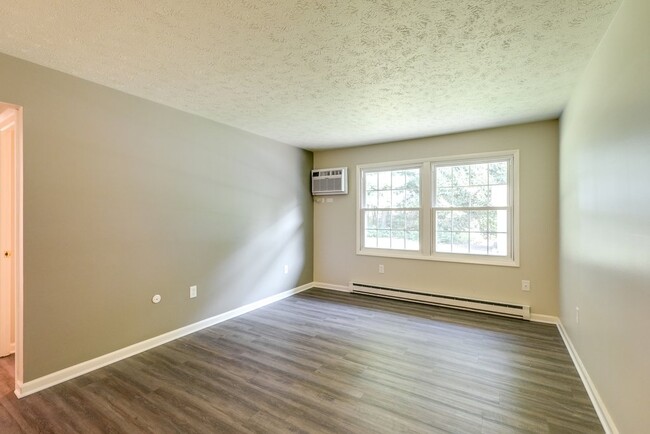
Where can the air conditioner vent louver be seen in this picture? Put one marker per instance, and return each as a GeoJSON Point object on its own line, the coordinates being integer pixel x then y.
{"type": "Point", "coordinates": [492, 307]}
{"type": "Point", "coordinates": [329, 181]}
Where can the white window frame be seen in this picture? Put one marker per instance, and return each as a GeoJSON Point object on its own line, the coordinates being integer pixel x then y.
{"type": "Point", "coordinates": [427, 191]}
{"type": "Point", "coordinates": [361, 230]}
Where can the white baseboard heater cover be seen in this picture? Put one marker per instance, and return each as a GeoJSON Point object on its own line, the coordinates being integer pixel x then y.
{"type": "Point", "coordinates": [492, 307]}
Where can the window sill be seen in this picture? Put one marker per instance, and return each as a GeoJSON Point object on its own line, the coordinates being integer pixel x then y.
{"type": "Point", "coordinates": [460, 259]}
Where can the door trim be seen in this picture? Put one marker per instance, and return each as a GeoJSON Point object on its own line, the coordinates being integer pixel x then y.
{"type": "Point", "coordinates": [8, 132]}
{"type": "Point", "coordinates": [17, 250]}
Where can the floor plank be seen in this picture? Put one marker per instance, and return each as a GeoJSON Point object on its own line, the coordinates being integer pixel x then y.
{"type": "Point", "coordinates": [322, 362]}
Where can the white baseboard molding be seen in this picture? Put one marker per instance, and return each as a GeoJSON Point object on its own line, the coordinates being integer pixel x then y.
{"type": "Point", "coordinates": [604, 416]}
{"type": "Point", "coordinates": [546, 319]}
{"type": "Point", "coordinates": [33, 386]}
{"type": "Point", "coordinates": [342, 288]}
{"type": "Point", "coordinates": [71, 372]}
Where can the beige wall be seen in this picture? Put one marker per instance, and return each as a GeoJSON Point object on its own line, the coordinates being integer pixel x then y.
{"type": "Point", "coordinates": [336, 261]}
{"type": "Point", "coordinates": [125, 198]}
{"type": "Point", "coordinates": [605, 218]}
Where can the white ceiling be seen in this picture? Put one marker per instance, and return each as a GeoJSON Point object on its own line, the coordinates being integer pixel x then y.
{"type": "Point", "coordinates": [323, 73]}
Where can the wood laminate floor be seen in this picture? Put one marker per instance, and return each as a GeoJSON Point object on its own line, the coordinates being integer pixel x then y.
{"type": "Point", "coordinates": [325, 362]}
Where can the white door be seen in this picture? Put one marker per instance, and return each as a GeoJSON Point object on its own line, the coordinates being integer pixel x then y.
{"type": "Point", "coordinates": [8, 134]}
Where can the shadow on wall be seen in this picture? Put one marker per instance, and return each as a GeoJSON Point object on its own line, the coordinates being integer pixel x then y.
{"type": "Point", "coordinates": [256, 268]}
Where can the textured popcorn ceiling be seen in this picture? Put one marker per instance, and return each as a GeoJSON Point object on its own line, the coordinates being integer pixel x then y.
{"type": "Point", "coordinates": [317, 73]}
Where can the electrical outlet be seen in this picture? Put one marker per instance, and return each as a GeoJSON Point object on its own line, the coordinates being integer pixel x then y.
{"type": "Point", "coordinates": [525, 285]}
{"type": "Point", "coordinates": [193, 291]}
{"type": "Point", "coordinates": [381, 269]}
{"type": "Point", "coordinates": [577, 315]}
{"type": "Point", "coordinates": [286, 269]}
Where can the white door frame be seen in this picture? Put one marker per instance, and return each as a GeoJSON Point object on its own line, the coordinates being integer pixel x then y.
{"type": "Point", "coordinates": [16, 249]}
{"type": "Point", "coordinates": [8, 131]}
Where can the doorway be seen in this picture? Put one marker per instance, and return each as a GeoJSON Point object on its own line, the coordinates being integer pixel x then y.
{"type": "Point", "coordinates": [10, 245]}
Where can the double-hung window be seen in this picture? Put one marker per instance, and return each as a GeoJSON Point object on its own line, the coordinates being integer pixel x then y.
{"type": "Point", "coordinates": [390, 208]}
{"type": "Point", "coordinates": [472, 207]}
{"type": "Point", "coordinates": [458, 209]}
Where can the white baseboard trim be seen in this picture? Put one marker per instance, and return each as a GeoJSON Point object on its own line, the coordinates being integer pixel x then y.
{"type": "Point", "coordinates": [331, 286]}
{"type": "Point", "coordinates": [604, 416]}
{"type": "Point", "coordinates": [71, 372]}
{"type": "Point", "coordinates": [33, 386]}
{"type": "Point", "coordinates": [546, 319]}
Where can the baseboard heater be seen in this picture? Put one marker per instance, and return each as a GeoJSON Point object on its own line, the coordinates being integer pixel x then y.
{"type": "Point", "coordinates": [495, 308]}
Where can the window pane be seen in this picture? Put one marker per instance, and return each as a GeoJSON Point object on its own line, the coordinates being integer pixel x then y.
{"type": "Point", "coordinates": [411, 199]}
{"type": "Point", "coordinates": [371, 200]}
{"type": "Point", "coordinates": [398, 240]}
{"type": "Point", "coordinates": [492, 221]}
{"type": "Point", "coordinates": [444, 197]}
{"type": "Point", "coordinates": [460, 242]}
{"type": "Point", "coordinates": [371, 181]}
{"type": "Point", "coordinates": [478, 221]}
{"type": "Point", "coordinates": [412, 179]}
{"type": "Point", "coordinates": [383, 219]}
{"type": "Point", "coordinates": [383, 239]}
{"type": "Point", "coordinates": [461, 197]}
{"type": "Point", "coordinates": [498, 244]}
{"type": "Point", "coordinates": [397, 220]}
{"type": "Point", "coordinates": [499, 195]}
{"type": "Point", "coordinates": [498, 173]}
{"type": "Point", "coordinates": [478, 243]}
{"type": "Point", "coordinates": [478, 174]}
{"type": "Point", "coordinates": [412, 240]}
{"type": "Point", "coordinates": [398, 180]}
{"type": "Point", "coordinates": [443, 221]}
{"type": "Point", "coordinates": [398, 199]}
{"type": "Point", "coordinates": [460, 221]}
{"type": "Point", "coordinates": [371, 239]}
{"type": "Point", "coordinates": [384, 180]}
{"type": "Point", "coordinates": [443, 241]}
{"type": "Point", "coordinates": [392, 189]}
{"type": "Point", "coordinates": [371, 220]}
{"type": "Point", "coordinates": [412, 220]}
{"type": "Point", "coordinates": [444, 177]}
{"type": "Point", "coordinates": [461, 175]}
{"type": "Point", "coordinates": [479, 196]}
{"type": "Point", "coordinates": [384, 199]}
{"type": "Point", "coordinates": [501, 221]}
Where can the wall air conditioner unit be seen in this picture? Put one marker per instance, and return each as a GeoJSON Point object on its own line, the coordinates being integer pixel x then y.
{"type": "Point", "coordinates": [325, 182]}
